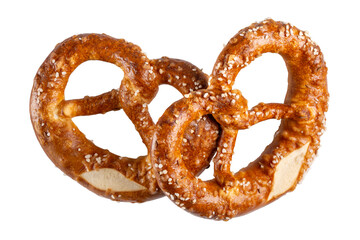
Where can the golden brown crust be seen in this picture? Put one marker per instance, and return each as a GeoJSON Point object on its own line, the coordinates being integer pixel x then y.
{"type": "Point", "coordinates": [282, 164]}
{"type": "Point", "coordinates": [68, 147]}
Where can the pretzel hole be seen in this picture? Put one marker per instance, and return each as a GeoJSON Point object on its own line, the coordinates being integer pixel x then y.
{"type": "Point", "coordinates": [263, 80]}
{"type": "Point", "coordinates": [166, 96]}
{"type": "Point", "coordinates": [93, 78]}
{"type": "Point", "coordinates": [250, 143]}
{"type": "Point", "coordinates": [114, 130]}
{"type": "Point", "coordinates": [208, 173]}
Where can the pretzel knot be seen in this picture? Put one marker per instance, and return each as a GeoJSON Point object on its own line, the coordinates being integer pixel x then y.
{"type": "Point", "coordinates": [114, 177]}
{"type": "Point", "coordinates": [282, 164]}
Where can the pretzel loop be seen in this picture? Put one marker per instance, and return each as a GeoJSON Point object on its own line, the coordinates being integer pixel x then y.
{"type": "Point", "coordinates": [135, 99]}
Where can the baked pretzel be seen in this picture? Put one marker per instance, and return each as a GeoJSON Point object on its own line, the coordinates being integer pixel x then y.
{"type": "Point", "coordinates": [283, 163]}
{"type": "Point", "coordinates": [105, 173]}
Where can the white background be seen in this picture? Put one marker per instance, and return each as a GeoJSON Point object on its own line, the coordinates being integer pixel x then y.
{"type": "Point", "coordinates": [39, 202]}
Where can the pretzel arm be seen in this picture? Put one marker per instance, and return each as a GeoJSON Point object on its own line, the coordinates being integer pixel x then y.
{"type": "Point", "coordinates": [223, 157]}
{"type": "Point", "coordinates": [86, 106]}
{"type": "Point", "coordinates": [265, 111]}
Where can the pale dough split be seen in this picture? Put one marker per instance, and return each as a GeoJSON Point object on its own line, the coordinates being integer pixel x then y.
{"type": "Point", "coordinates": [287, 171]}
{"type": "Point", "coordinates": [108, 178]}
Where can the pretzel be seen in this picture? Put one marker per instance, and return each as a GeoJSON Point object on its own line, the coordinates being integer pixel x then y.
{"type": "Point", "coordinates": [99, 170]}
{"type": "Point", "coordinates": [283, 163]}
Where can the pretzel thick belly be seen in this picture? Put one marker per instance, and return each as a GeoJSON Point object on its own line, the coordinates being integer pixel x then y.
{"type": "Point", "coordinates": [109, 175]}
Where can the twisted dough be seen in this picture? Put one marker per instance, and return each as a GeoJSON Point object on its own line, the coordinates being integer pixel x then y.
{"type": "Point", "coordinates": [114, 177]}
{"type": "Point", "coordinates": [282, 164]}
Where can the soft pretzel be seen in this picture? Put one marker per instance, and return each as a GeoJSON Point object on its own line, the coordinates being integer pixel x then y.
{"type": "Point", "coordinates": [114, 177]}
{"type": "Point", "coordinates": [283, 163]}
